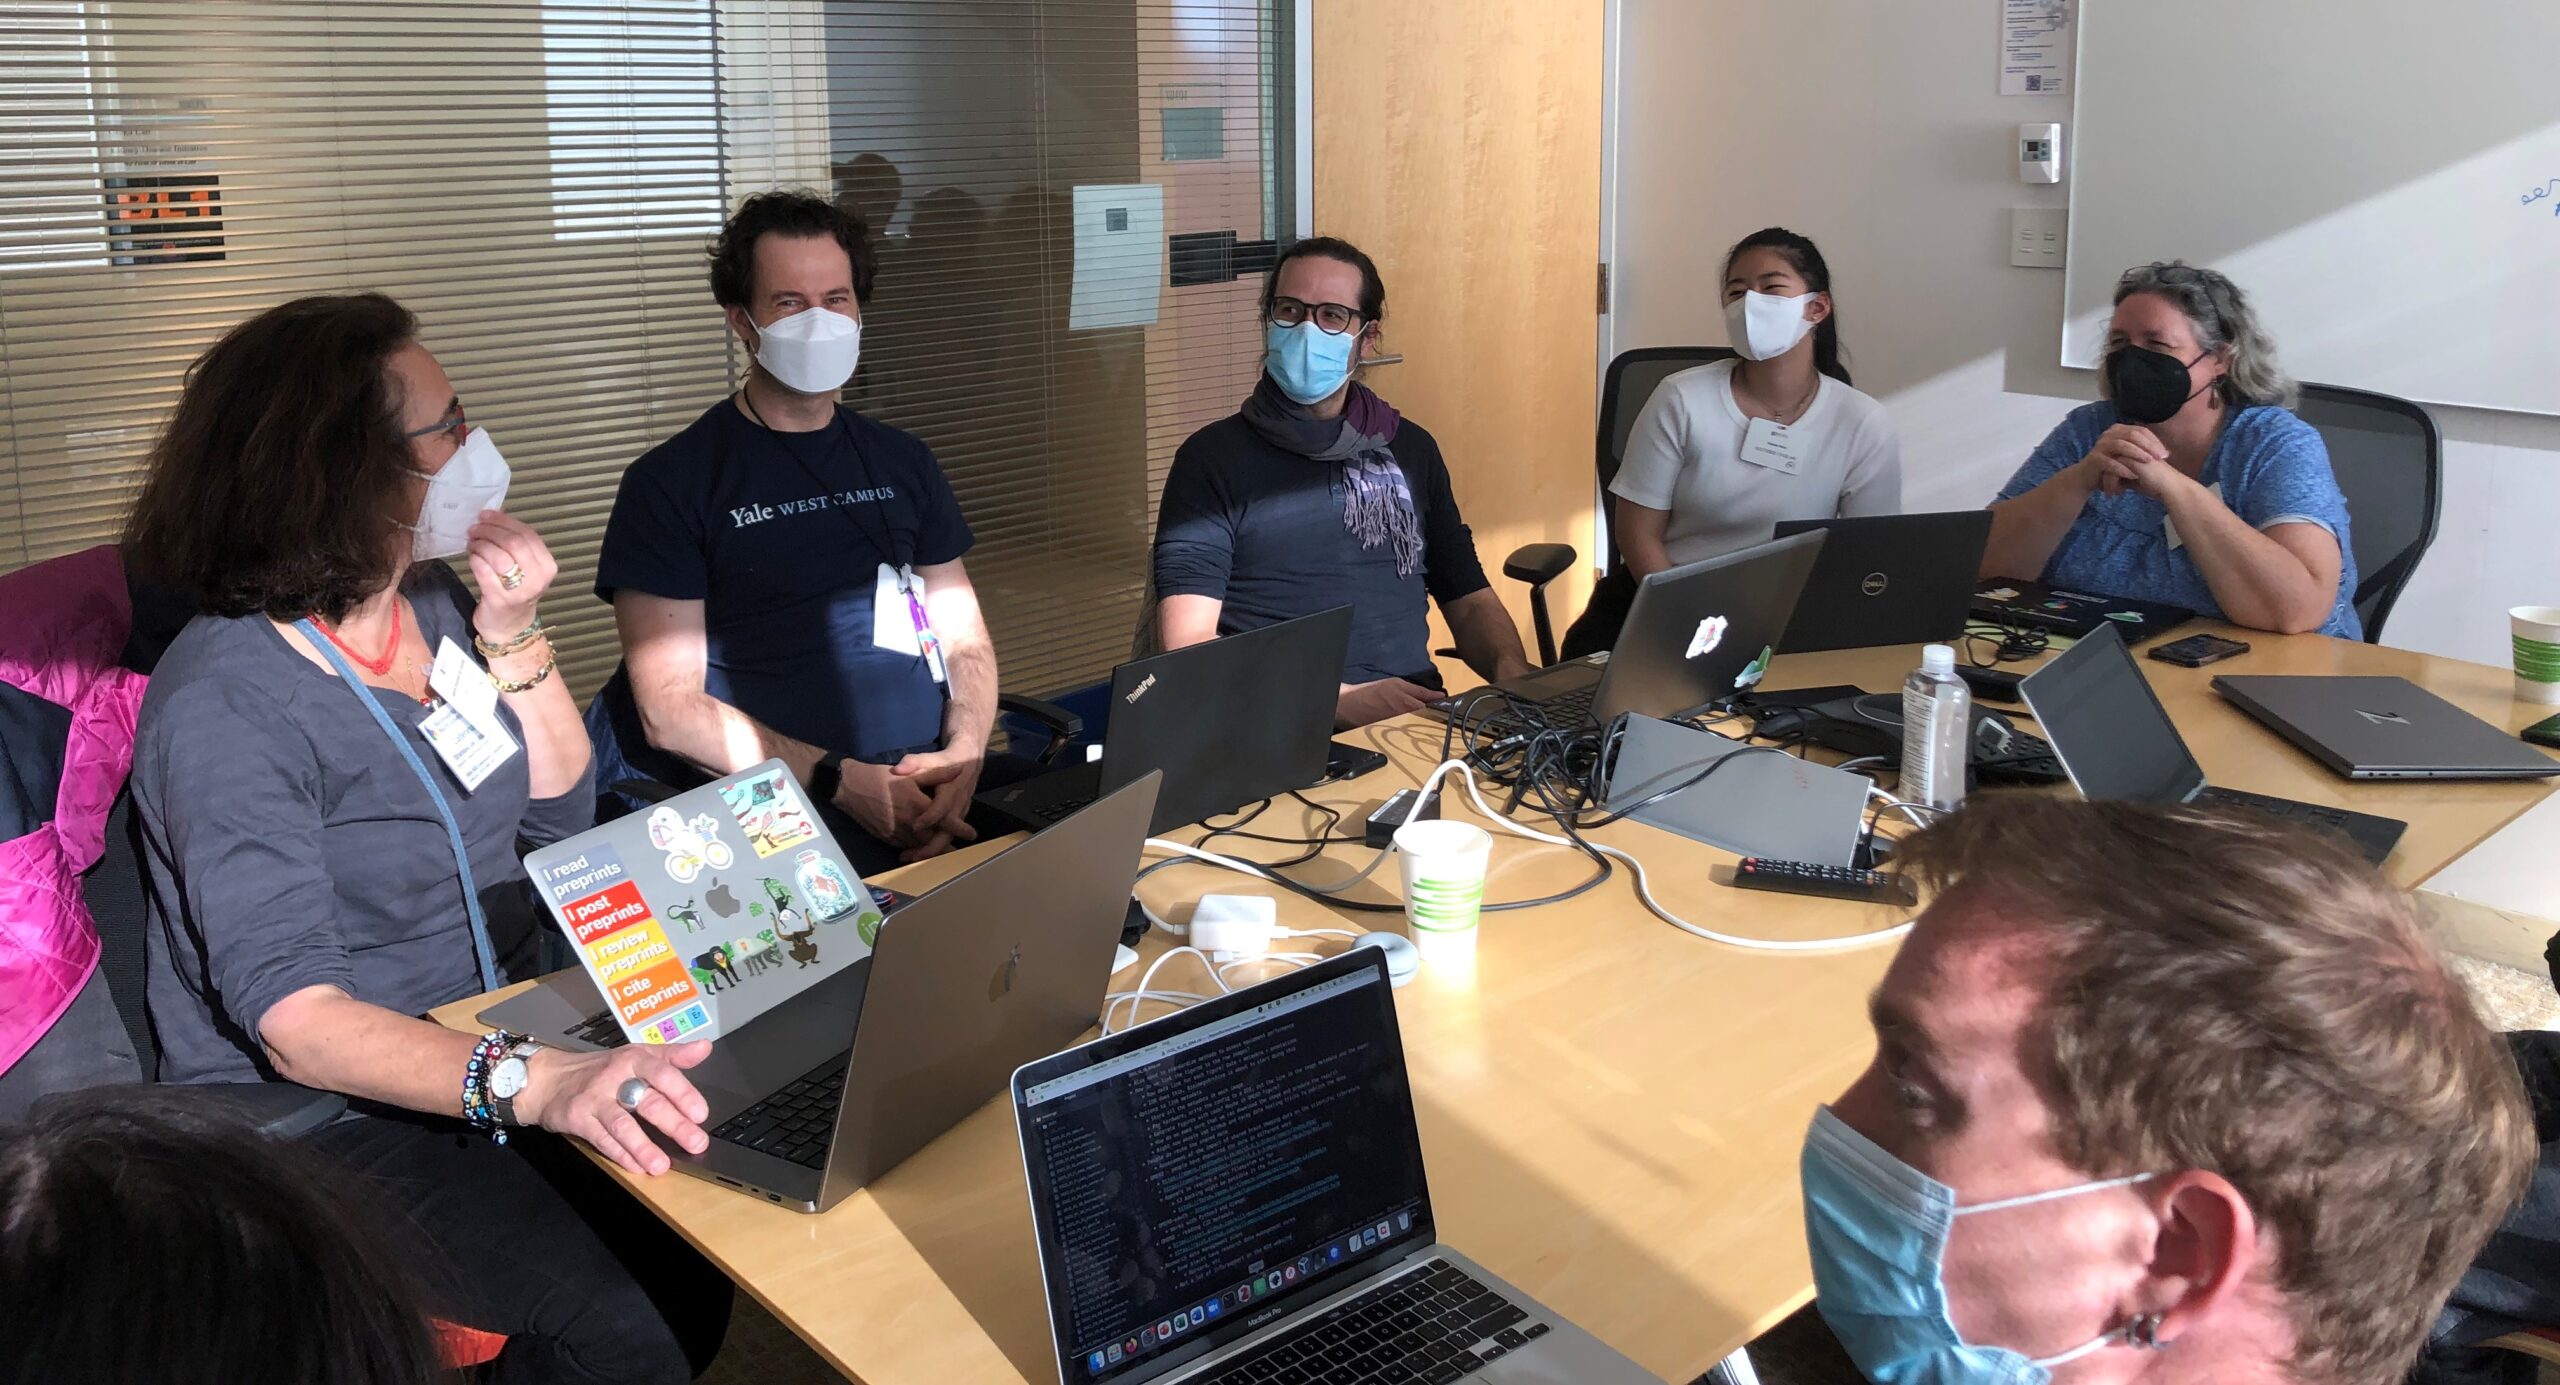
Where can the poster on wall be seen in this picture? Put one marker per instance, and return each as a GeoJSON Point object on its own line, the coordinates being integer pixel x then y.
{"type": "Point", "coordinates": [164, 218]}
{"type": "Point", "coordinates": [2035, 47]}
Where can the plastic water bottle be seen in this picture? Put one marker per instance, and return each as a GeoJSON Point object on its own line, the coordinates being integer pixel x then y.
{"type": "Point", "coordinates": [1937, 730]}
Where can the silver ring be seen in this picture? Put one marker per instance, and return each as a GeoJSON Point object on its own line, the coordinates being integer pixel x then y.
{"type": "Point", "coordinates": [631, 1093]}
{"type": "Point", "coordinates": [512, 578]}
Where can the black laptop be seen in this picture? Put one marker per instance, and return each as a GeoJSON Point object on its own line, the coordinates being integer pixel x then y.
{"type": "Point", "coordinates": [1887, 579]}
{"type": "Point", "coordinates": [1235, 719]}
{"type": "Point", "coordinates": [2383, 728]}
{"type": "Point", "coordinates": [2110, 731]}
{"type": "Point", "coordinates": [2015, 602]}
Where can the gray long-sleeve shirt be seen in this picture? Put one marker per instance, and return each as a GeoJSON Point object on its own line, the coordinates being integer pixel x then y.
{"type": "Point", "coordinates": [287, 844]}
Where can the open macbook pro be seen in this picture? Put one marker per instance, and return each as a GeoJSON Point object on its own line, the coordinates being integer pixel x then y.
{"type": "Point", "coordinates": [1696, 635]}
{"type": "Point", "coordinates": [1887, 579]}
{"type": "Point", "coordinates": [1227, 721]}
{"type": "Point", "coordinates": [860, 1049]}
{"type": "Point", "coordinates": [2110, 731]}
{"type": "Point", "coordinates": [1235, 1193]}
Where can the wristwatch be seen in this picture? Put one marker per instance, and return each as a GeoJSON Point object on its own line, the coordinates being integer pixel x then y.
{"type": "Point", "coordinates": [507, 1081]}
{"type": "Point", "coordinates": [825, 777]}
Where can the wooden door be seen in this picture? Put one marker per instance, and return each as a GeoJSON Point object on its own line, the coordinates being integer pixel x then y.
{"type": "Point", "coordinates": [1458, 142]}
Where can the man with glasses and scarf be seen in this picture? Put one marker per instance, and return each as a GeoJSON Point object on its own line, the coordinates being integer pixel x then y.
{"type": "Point", "coordinates": [1316, 494]}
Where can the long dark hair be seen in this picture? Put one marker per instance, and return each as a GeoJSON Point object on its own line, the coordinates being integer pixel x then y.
{"type": "Point", "coordinates": [1806, 258]}
{"type": "Point", "coordinates": [143, 1240]}
{"type": "Point", "coordinates": [284, 474]}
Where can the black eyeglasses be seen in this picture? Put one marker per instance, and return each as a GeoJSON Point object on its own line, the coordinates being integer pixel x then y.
{"type": "Point", "coordinates": [1334, 319]}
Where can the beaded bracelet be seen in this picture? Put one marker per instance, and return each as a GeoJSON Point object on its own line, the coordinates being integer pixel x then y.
{"type": "Point", "coordinates": [485, 1056]}
{"type": "Point", "coordinates": [549, 662]}
{"type": "Point", "coordinates": [524, 637]}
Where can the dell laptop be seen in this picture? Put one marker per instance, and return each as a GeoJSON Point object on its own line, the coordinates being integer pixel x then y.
{"type": "Point", "coordinates": [1235, 1193]}
{"type": "Point", "coordinates": [1696, 635]}
{"type": "Point", "coordinates": [1228, 721]}
{"type": "Point", "coordinates": [2117, 742]}
{"type": "Point", "coordinates": [834, 1083]}
{"type": "Point", "coordinates": [1887, 579]}
{"type": "Point", "coordinates": [2058, 611]}
{"type": "Point", "coordinates": [2383, 728]}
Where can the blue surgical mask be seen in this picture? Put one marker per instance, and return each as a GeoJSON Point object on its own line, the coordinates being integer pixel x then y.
{"type": "Point", "coordinates": [1878, 1231]}
{"type": "Point", "coordinates": [1307, 362]}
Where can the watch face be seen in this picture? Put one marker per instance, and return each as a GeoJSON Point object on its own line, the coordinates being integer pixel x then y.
{"type": "Point", "coordinates": [507, 1081]}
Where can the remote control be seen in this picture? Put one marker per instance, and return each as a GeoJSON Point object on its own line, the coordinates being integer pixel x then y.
{"type": "Point", "coordinates": [1832, 882]}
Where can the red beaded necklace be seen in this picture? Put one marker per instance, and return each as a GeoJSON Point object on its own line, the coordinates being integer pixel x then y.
{"type": "Point", "coordinates": [379, 668]}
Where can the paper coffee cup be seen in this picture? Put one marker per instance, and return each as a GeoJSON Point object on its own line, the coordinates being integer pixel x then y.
{"type": "Point", "coordinates": [1443, 864]}
{"type": "Point", "coordinates": [2537, 632]}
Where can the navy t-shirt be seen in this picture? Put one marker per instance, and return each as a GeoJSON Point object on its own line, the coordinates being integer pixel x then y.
{"type": "Point", "coordinates": [1260, 529]}
{"type": "Point", "coordinates": [781, 537]}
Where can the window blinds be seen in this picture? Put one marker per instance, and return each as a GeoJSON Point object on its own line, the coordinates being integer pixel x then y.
{"type": "Point", "coordinates": [537, 181]}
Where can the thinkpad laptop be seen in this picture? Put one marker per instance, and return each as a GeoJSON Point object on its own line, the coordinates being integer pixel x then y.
{"type": "Point", "coordinates": [2116, 740]}
{"type": "Point", "coordinates": [2058, 611]}
{"type": "Point", "coordinates": [1235, 1193]}
{"type": "Point", "coordinates": [846, 1076]}
{"type": "Point", "coordinates": [1887, 579]}
{"type": "Point", "coordinates": [2383, 728]}
{"type": "Point", "coordinates": [1235, 719]}
{"type": "Point", "coordinates": [1696, 634]}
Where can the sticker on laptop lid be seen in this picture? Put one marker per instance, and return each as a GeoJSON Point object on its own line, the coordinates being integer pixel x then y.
{"type": "Point", "coordinates": [626, 950]}
{"type": "Point", "coordinates": [770, 811]}
{"type": "Point", "coordinates": [690, 843]}
{"type": "Point", "coordinates": [1754, 671]}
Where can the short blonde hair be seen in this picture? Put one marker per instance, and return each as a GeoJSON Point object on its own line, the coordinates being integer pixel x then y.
{"type": "Point", "coordinates": [2261, 1004]}
{"type": "Point", "coordinates": [2222, 317]}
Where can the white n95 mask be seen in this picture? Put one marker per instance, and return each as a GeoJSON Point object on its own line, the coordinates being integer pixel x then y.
{"type": "Point", "coordinates": [1762, 326]}
{"type": "Point", "coordinates": [474, 479]}
{"type": "Point", "coordinates": [812, 351]}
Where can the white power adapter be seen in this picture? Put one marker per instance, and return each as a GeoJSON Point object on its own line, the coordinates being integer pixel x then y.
{"type": "Point", "coordinates": [1230, 927]}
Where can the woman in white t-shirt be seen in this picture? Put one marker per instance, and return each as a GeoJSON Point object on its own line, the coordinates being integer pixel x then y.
{"type": "Point", "coordinates": [1724, 451]}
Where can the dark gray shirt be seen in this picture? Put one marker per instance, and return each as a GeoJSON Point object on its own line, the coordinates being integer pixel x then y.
{"type": "Point", "coordinates": [287, 844]}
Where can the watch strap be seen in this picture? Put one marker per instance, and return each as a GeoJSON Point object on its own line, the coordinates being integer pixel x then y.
{"type": "Point", "coordinates": [504, 1107]}
{"type": "Point", "coordinates": [825, 777]}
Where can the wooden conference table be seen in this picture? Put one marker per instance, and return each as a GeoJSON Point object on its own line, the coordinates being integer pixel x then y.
{"type": "Point", "coordinates": [1611, 1109]}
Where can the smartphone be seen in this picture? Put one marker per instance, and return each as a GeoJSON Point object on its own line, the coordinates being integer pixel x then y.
{"type": "Point", "coordinates": [2196, 651]}
{"type": "Point", "coordinates": [2543, 732]}
{"type": "Point", "coordinates": [1350, 762]}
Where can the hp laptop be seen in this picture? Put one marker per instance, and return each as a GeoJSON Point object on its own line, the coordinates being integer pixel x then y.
{"type": "Point", "coordinates": [2111, 733]}
{"type": "Point", "coordinates": [1887, 579]}
{"type": "Point", "coordinates": [838, 1082]}
{"type": "Point", "coordinates": [2010, 601]}
{"type": "Point", "coordinates": [1695, 635]}
{"type": "Point", "coordinates": [1238, 718]}
{"type": "Point", "coordinates": [2383, 728]}
{"type": "Point", "coordinates": [1235, 1193]}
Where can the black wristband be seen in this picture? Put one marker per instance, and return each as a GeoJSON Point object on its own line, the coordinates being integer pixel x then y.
{"type": "Point", "coordinates": [825, 777]}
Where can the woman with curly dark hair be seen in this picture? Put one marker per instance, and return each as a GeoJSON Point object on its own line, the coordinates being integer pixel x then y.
{"type": "Point", "coordinates": [333, 769]}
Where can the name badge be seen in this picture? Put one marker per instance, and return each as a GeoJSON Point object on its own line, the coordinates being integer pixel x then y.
{"type": "Point", "coordinates": [465, 686]}
{"type": "Point", "coordinates": [473, 752]}
{"type": "Point", "coordinates": [898, 620]}
{"type": "Point", "coordinates": [1770, 444]}
{"type": "Point", "coordinates": [2169, 526]}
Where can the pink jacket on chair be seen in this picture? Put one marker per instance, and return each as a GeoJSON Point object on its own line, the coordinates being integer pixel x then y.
{"type": "Point", "coordinates": [63, 625]}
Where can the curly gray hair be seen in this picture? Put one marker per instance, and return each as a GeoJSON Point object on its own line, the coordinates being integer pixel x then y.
{"type": "Point", "coordinates": [2222, 318]}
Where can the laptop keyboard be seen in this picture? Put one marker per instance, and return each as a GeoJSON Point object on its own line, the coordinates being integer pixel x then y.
{"type": "Point", "coordinates": [2288, 808]}
{"type": "Point", "coordinates": [600, 1030]}
{"type": "Point", "coordinates": [1566, 708]}
{"type": "Point", "coordinates": [1432, 1324]}
{"type": "Point", "coordinates": [795, 1123]}
{"type": "Point", "coordinates": [1059, 811]}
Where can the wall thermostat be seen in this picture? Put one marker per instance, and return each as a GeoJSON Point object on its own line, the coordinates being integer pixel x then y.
{"type": "Point", "coordinates": [2040, 153]}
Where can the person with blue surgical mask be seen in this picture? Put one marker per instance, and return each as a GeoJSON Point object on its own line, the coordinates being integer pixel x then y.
{"type": "Point", "coordinates": [2240, 1124]}
{"type": "Point", "coordinates": [1316, 494]}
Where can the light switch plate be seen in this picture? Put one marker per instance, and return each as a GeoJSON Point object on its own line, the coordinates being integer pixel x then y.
{"type": "Point", "coordinates": [2036, 236]}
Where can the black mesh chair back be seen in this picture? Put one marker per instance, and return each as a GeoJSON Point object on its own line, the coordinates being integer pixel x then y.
{"type": "Point", "coordinates": [1632, 378]}
{"type": "Point", "coordinates": [2389, 460]}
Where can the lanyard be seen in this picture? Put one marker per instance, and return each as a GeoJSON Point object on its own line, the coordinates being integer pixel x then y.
{"type": "Point", "coordinates": [452, 829]}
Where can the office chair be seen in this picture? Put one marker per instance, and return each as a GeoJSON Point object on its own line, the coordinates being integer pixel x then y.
{"type": "Point", "coordinates": [2388, 457]}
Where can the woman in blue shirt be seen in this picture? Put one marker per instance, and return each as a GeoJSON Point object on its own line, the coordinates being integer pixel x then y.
{"type": "Point", "coordinates": [2190, 483]}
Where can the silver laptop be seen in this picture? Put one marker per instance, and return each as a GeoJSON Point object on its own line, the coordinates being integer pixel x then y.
{"type": "Point", "coordinates": [2383, 728]}
{"type": "Point", "coordinates": [1235, 1193]}
{"type": "Point", "coordinates": [1697, 634]}
{"type": "Point", "coordinates": [835, 1085]}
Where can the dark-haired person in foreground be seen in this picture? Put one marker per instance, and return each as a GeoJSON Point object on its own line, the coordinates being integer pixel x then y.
{"type": "Point", "coordinates": [2237, 1125]}
{"type": "Point", "coordinates": [1318, 494]}
{"type": "Point", "coordinates": [785, 573]}
{"type": "Point", "coordinates": [1724, 451]}
{"type": "Point", "coordinates": [146, 1242]}
{"type": "Point", "coordinates": [331, 832]}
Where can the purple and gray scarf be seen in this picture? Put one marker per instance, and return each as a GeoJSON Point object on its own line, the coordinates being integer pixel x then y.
{"type": "Point", "coordinates": [1377, 502]}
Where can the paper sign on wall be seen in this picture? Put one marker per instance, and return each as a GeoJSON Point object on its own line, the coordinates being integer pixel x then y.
{"type": "Point", "coordinates": [2035, 47]}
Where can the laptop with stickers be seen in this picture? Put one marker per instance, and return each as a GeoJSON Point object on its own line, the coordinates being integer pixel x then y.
{"type": "Point", "coordinates": [728, 913]}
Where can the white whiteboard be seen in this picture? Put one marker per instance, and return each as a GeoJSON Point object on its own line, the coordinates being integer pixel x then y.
{"type": "Point", "coordinates": [2382, 177]}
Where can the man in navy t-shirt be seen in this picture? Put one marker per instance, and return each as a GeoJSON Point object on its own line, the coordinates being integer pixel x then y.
{"type": "Point", "coordinates": [786, 573]}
